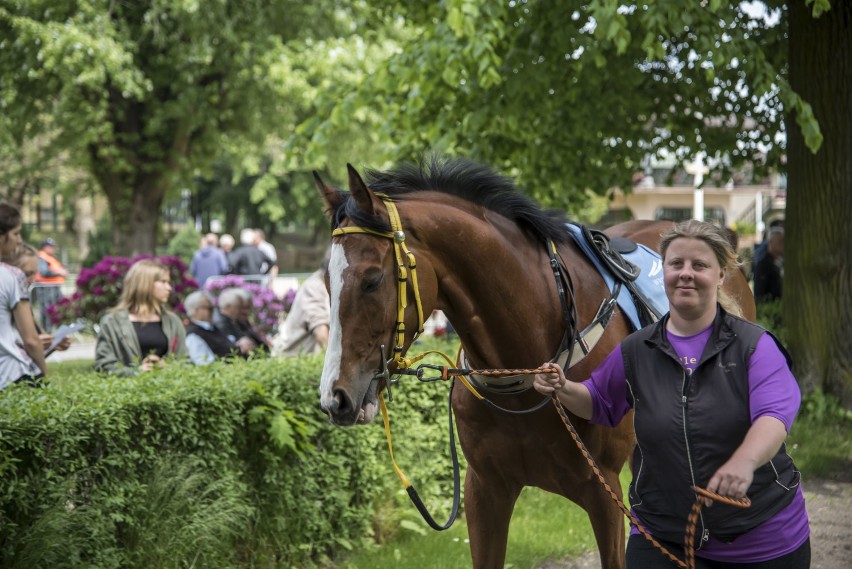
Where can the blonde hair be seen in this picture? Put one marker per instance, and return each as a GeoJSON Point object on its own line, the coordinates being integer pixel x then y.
{"type": "Point", "coordinates": [137, 296]}
{"type": "Point", "coordinates": [24, 251]}
{"type": "Point", "coordinates": [718, 242]}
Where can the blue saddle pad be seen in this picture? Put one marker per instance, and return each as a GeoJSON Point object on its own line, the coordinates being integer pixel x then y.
{"type": "Point", "coordinates": [649, 283]}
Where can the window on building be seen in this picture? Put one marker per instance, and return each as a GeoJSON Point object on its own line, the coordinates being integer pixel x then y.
{"type": "Point", "coordinates": [713, 214]}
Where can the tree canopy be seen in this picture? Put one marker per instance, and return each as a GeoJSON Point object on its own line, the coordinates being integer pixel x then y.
{"type": "Point", "coordinates": [568, 97]}
{"type": "Point", "coordinates": [575, 96]}
{"type": "Point", "coordinates": [146, 94]}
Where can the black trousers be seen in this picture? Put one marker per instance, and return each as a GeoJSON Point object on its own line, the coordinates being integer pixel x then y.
{"type": "Point", "coordinates": [642, 555]}
{"type": "Point", "coordinates": [31, 380]}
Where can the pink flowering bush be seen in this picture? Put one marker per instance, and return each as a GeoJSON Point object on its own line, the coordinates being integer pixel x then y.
{"type": "Point", "coordinates": [268, 308]}
{"type": "Point", "coordinates": [99, 288]}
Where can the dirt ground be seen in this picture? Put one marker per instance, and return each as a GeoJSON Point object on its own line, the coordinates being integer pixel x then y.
{"type": "Point", "coordinates": [829, 505]}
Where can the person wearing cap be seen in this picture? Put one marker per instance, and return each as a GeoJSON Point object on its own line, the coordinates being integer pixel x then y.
{"type": "Point", "coordinates": [50, 278]}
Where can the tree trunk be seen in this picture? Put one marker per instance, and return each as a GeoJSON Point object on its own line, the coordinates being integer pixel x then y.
{"type": "Point", "coordinates": [84, 223]}
{"type": "Point", "coordinates": [134, 205]}
{"type": "Point", "coordinates": [818, 229]}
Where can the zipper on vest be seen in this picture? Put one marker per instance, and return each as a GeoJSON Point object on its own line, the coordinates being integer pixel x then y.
{"type": "Point", "coordinates": [705, 533]}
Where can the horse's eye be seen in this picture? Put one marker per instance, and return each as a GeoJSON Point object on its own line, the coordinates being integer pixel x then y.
{"type": "Point", "coordinates": [372, 281]}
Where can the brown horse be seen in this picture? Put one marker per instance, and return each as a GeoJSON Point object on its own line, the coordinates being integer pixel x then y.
{"type": "Point", "coordinates": [481, 257]}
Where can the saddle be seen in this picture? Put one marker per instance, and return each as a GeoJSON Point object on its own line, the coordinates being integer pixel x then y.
{"type": "Point", "coordinates": [633, 274]}
{"type": "Point", "coordinates": [638, 269]}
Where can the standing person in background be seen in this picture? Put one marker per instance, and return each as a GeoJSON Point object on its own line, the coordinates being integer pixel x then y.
{"type": "Point", "coordinates": [305, 330]}
{"type": "Point", "coordinates": [713, 399]}
{"type": "Point", "coordinates": [226, 244]}
{"type": "Point", "coordinates": [208, 261]}
{"type": "Point", "coordinates": [21, 352]}
{"type": "Point", "coordinates": [26, 259]}
{"type": "Point", "coordinates": [760, 248]}
{"type": "Point", "coordinates": [769, 271]}
{"type": "Point", "coordinates": [247, 259]}
{"type": "Point", "coordinates": [50, 276]}
{"type": "Point", "coordinates": [140, 331]}
{"type": "Point", "coordinates": [265, 246]}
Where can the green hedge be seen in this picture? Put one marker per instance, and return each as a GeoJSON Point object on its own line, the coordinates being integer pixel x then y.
{"type": "Point", "coordinates": [230, 465]}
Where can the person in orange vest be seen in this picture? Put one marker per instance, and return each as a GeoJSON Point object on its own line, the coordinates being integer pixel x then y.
{"type": "Point", "coordinates": [50, 278]}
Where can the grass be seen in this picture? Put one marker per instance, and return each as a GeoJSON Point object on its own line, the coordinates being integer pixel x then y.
{"type": "Point", "coordinates": [820, 441]}
{"type": "Point", "coordinates": [70, 367]}
{"type": "Point", "coordinates": [543, 526]}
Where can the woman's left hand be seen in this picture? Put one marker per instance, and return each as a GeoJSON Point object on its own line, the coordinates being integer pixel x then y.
{"type": "Point", "coordinates": [732, 479]}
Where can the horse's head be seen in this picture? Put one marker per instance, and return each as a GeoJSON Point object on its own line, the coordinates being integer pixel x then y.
{"type": "Point", "coordinates": [364, 292]}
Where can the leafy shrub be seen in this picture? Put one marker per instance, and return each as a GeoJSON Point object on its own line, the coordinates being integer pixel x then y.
{"type": "Point", "coordinates": [184, 244]}
{"type": "Point", "coordinates": [99, 288]}
{"type": "Point", "coordinates": [268, 308]}
{"type": "Point", "coordinates": [227, 465]}
{"type": "Point", "coordinates": [100, 241]}
{"type": "Point", "coordinates": [770, 316]}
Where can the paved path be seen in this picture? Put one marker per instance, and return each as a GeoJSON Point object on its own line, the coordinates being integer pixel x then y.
{"type": "Point", "coordinates": [77, 351]}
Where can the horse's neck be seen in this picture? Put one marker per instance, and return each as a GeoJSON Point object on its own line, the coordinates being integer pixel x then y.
{"type": "Point", "coordinates": [498, 291]}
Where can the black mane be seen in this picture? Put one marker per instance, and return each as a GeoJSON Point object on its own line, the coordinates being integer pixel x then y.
{"type": "Point", "coordinates": [463, 178]}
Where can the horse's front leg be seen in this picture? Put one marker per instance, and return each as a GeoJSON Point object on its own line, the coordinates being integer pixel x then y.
{"type": "Point", "coordinates": [488, 507]}
{"type": "Point", "coordinates": [607, 520]}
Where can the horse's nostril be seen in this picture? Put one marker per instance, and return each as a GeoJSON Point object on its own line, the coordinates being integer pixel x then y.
{"type": "Point", "coordinates": [339, 403]}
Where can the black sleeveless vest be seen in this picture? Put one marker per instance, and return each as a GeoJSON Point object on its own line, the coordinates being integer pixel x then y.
{"type": "Point", "coordinates": [219, 344]}
{"type": "Point", "coordinates": [687, 426]}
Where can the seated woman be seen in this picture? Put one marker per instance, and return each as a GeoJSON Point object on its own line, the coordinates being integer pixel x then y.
{"type": "Point", "coordinates": [204, 341]}
{"type": "Point", "coordinates": [140, 331]}
{"type": "Point", "coordinates": [26, 259]}
{"type": "Point", "coordinates": [21, 352]}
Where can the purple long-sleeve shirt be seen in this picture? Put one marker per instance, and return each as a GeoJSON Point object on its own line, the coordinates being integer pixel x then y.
{"type": "Point", "coordinates": [773, 392]}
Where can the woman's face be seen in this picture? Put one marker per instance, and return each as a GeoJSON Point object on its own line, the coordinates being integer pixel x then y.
{"type": "Point", "coordinates": [9, 243]}
{"type": "Point", "coordinates": [29, 266]}
{"type": "Point", "coordinates": [692, 277]}
{"type": "Point", "coordinates": [162, 288]}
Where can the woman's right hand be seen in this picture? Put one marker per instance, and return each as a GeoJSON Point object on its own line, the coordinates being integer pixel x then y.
{"type": "Point", "coordinates": [151, 361]}
{"type": "Point", "coordinates": [551, 381]}
{"type": "Point", "coordinates": [46, 340]}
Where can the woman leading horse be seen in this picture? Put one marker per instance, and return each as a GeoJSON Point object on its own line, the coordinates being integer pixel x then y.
{"type": "Point", "coordinates": [483, 255]}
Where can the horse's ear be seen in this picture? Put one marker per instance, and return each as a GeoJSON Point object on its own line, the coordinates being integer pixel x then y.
{"type": "Point", "coordinates": [362, 195]}
{"type": "Point", "coordinates": [330, 196]}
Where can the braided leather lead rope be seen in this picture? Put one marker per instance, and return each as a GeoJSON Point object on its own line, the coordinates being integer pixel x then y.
{"type": "Point", "coordinates": [692, 520]}
{"type": "Point", "coordinates": [495, 372]}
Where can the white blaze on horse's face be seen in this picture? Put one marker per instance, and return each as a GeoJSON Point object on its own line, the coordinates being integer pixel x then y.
{"type": "Point", "coordinates": [331, 367]}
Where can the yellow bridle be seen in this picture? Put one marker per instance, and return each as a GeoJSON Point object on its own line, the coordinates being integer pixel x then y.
{"type": "Point", "coordinates": [403, 255]}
